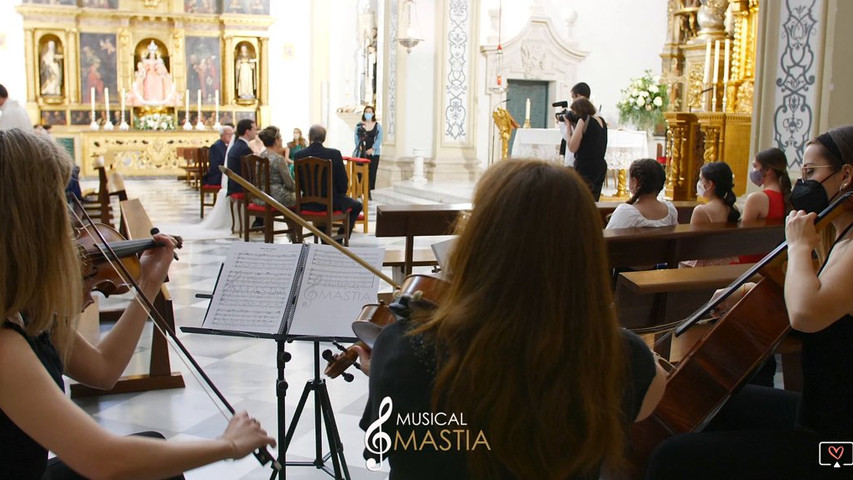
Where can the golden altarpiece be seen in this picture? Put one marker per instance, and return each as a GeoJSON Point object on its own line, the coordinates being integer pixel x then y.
{"type": "Point", "coordinates": [709, 66]}
{"type": "Point", "coordinates": [131, 81]}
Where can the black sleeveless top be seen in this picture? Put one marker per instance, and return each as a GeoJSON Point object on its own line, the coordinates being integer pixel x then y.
{"type": "Point", "coordinates": [593, 145]}
{"type": "Point", "coordinates": [20, 456]}
{"type": "Point", "coordinates": [827, 359]}
{"type": "Point", "coordinates": [370, 136]}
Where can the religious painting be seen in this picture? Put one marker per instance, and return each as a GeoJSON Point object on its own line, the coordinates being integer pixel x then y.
{"type": "Point", "coordinates": [245, 73]}
{"type": "Point", "coordinates": [201, 6]}
{"type": "Point", "coordinates": [250, 7]}
{"type": "Point", "coordinates": [203, 65]}
{"type": "Point", "coordinates": [51, 64]}
{"type": "Point", "coordinates": [81, 117]}
{"type": "Point", "coordinates": [53, 117]}
{"type": "Point", "coordinates": [226, 117]}
{"type": "Point", "coordinates": [113, 4]}
{"type": "Point", "coordinates": [72, 3]}
{"type": "Point", "coordinates": [98, 66]}
{"type": "Point", "coordinates": [245, 115]}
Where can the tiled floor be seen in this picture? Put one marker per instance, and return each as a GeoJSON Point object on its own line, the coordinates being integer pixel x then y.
{"type": "Point", "coordinates": [244, 369]}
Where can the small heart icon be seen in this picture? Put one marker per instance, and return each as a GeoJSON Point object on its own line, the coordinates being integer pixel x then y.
{"type": "Point", "coordinates": [836, 452]}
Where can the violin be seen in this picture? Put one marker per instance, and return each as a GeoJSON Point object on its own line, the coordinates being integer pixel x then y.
{"type": "Point", "coordinates": [423, 291]}
{"type": "Point", "coordinates": [97, 273]}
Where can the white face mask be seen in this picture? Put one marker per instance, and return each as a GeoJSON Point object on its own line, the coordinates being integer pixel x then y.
{"type": "Point", "coordinates": [700, 189]}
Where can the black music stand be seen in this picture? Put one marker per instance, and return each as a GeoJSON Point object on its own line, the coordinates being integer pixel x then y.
{"type": "Point", "coordinates": [324, 416]}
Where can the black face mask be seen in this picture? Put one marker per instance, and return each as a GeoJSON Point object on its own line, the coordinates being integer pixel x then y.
{"type": "Point", "coordinates": [809, 195]}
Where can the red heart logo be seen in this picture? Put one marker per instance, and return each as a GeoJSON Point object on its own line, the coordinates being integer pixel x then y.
{"type": "Point", "coordinates": [836, 452]}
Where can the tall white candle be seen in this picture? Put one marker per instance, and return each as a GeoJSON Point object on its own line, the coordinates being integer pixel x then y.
{"type": "Point", "coordinates": [188, 105]}
{"type": "Point", "coordinates": [92, 97]}
{"type": "Point", "coordinates": [527, 111]}
{"type": "Point", "coordinates": [707, 71]}
{"type": "Point", "coordinates": [216, 102]}
{"type": "Point", "coordinates": [122, 102]}
{"type": "Point", "coordinates": [726, 64]}
{"type": "Point", "coordinates": [107, 102]}
{"type": "Point", "coordinates": [198, 96]}
{"type": "Point", "coordinates": [716, 60]}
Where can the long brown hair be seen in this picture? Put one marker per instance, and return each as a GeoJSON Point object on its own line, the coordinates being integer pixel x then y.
{"type": "Point", "coordinates": [40, 272]}
{"type": "Point", "coordinates": [526, 337]}
{"type": "Point", "coordinates": [775, 160]}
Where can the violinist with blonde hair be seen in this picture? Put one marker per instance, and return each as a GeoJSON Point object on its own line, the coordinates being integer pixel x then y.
{"type": "Point", "coordinates": [41, 295]}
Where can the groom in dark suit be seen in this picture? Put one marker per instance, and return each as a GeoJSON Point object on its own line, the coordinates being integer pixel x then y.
{"type": "Point", "coordinates": [246, 132]}
{"type": "Point", "coordinates": [340, 200]}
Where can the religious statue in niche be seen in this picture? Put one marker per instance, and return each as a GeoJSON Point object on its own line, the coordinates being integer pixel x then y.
{"type": "Point", "coordinates": [50, 69]}
{"type": "Point", "coordinates": [244, 71]}
{"type": "Point", "coordinates": [152, 83]}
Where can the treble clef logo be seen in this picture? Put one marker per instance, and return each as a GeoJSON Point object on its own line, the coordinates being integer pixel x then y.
{"type": "Point", "coordinates": [378, 442]}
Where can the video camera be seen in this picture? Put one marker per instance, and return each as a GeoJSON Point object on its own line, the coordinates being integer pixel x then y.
{"type": "Point", "coordinates": [565, 113]}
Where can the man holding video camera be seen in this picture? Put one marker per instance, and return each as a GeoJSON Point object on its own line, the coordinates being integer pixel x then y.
{"type": "Point", "coordinates": [586, 138]}
{"type": "Point", "coordinates": [579, 90]}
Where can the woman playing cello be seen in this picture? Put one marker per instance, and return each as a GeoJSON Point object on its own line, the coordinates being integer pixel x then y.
{"type": "Point", "coordinates": [523, 348]}
{"type": "Point", "coordinates": [41, 292]}
{"type": "Point", "coordinates": [768, 433]}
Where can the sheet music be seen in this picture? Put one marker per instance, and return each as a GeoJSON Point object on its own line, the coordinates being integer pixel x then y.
{"type": "Point", "coordinates": [334, 288]}
{"type": "Point", "coordinates": [253, 289]}
{"type": "Point", "coordinates": [441, 250]}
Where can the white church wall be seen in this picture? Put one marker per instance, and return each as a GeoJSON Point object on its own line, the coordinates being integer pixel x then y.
{"type": "Point", "coordinates": [623, 38]}
{"type": "Point", "coordinates": [14, 77]}
{"type": "Point", "coordinates": [290, 65]}
{"type": "Point", "coordinates": [420, 105]}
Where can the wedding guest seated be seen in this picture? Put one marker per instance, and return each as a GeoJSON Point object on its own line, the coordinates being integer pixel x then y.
{"type": "Point", "coordinates": [647, 178]}
{"type": "Point", "coordinates": [216, 156]}
{"type": "Point", "coordinates": [41, 297]}
{"type": "Point", "coordinates": [295, 145]}
{"type": "Point", "coordinates": [716, 183]}
{"type": "Point", "coordinates": [769, 171]}
{"type": "Point", "coordinates": [340, 181]}
{"type": "Point", "coordinates": [524, 345]}
{"type": "Point", "coordinates": [282, 186]}
{"type": "Point", "coordinates": [246, 132]}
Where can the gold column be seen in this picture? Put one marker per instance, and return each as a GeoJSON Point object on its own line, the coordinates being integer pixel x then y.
{"type": "Point", "coordinates": [72, 81]}
{"type": "Point", "coordinates": [32, 71]}
{"type": "Point", "coordinates": [263, 84]}
{"type": "Point", "coordinates": [125, 63]}
{"type": "Point", "coordinates": [684, 160]}
{"type": "Point", "coordinates": [228, 72]}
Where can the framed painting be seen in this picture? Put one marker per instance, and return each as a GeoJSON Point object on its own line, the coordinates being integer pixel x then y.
{"type": "Point", "coordinates": [71, 3]}
{"type": "Point", "coordinates": [203, 68]}
{"type": "Point", "coordinates": [54, 117]}
{"type": "Point", "coordinates": [81, 117]}
{"type": "Point", "coordinates": [201, 6]}
{"type": "Point", "coordinates": [98, 67]}
{"type": "Point", "coordinates": [243, 115]}
{"type": "Point", "coordinates": [248, 7]}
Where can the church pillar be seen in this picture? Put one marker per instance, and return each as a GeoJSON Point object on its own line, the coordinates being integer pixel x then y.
{"type": "Point", "coordinates": [802, 68]}
{"type": "Point", "coordinates": [321, 12]}
{"type": "Point", "coordinates": [32, 67]}
{"type": "Point", "coordinates": [455, 123]}
{"type": "Point", "coordinates": [263, 88]}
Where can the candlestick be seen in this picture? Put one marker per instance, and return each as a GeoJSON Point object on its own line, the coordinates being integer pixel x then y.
{"type": "Point", "coordinates": [94, 125]}
{"type": "Point", "coordinates": [716, 60]}
{"type": "Point", "coordinates": [123, 126]}
{"type": "Point", "coordinates": [187, 124]}
{"type": "Point", "coordinates": [707, 72]}
{"type": "Point", "coordinates": [109, 123]}
{"type": "Point", "coordinates": [199, 124]}
{"type": "Point", "coordinates": [217, 126]}
{"type": "Point", "coordinates": [527, 111]}
{"type": "Point", "coordinates": [726, 63]}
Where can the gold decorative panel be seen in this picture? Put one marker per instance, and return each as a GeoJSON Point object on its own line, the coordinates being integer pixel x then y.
{"type": "Point", "coordinates": [140, 153]}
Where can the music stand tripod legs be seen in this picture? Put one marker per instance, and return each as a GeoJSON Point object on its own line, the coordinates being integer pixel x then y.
{"type": "Point", "coordinates": [324, 415]}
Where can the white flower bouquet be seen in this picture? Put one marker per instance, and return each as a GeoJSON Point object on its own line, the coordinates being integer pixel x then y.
{"type": "Point", "coordinates": [643, 102]}
{"type": "Point", "coordinates": [155, 121]}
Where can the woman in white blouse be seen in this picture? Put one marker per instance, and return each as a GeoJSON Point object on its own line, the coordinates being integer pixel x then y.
{"type": "Point", "coordinates": [647, 178]}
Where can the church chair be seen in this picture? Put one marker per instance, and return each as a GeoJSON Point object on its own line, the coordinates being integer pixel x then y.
{"type": "Point", "coordinates": [256, 170]}
{"type": "Point", "coordinates": [97, 203]}
{"type": "Point", "coordinates": [205, 189]}
{"type": "Point", "coordinates": [313, 178]}
{"type": "Point", "coordinates": [358, 170]}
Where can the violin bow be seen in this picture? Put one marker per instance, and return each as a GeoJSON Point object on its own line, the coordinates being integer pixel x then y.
{"type": "Point", "coordinates": [262, 454]}
{"type": "Point", "coordinates": [303, 223]}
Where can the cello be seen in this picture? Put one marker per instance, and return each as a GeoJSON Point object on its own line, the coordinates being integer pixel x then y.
{"type": "Point", "coordinates": [725, 358]}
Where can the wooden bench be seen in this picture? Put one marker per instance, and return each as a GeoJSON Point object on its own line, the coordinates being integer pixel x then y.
{"type": "Point", "coordinates": [396, 259]}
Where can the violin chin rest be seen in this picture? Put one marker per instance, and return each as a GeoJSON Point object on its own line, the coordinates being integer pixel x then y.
{"type": "Point", "coordinates": [367, 332]}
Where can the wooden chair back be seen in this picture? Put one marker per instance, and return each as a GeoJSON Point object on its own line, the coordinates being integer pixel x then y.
{"type": "Point", "coordinates": [314, 182]}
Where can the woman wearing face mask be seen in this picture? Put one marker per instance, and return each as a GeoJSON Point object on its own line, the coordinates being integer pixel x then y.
{"type": "Point", "coordinates": [715, 185]}
{"type": "Point", "coordinates": [769, 170]}
{"type": "Point", "coordinates": [781, 428]}
{"type": "Point", "coordinates": [368, 140]}
{"type": "Point", "coordinates": [293, 146]}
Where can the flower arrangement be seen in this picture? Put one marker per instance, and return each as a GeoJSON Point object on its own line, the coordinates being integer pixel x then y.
{"type": "Point", "coordinates": [643, 102]}
{"type": "Point", "coordinates": [155, 121]}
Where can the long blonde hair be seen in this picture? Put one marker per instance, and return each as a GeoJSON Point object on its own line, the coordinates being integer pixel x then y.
{"type": "Point", "coordinates": [526, 337]}
{"type": "Point", "coordinates": [40, 272]}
